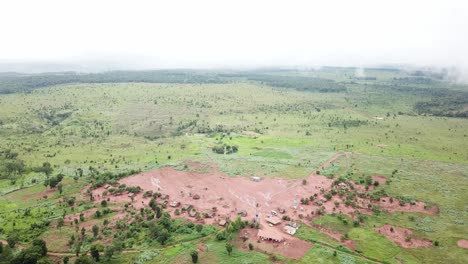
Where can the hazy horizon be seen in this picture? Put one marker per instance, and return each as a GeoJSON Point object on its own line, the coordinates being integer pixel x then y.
{"type": "Point", "coordinates": [115, 35]}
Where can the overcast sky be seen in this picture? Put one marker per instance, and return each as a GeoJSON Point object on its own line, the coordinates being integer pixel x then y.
{"type": "Point", "coordinates": [200, 33]}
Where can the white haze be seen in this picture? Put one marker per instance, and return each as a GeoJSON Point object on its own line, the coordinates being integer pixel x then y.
{"type": "Point", "coordinates": [113, 34]}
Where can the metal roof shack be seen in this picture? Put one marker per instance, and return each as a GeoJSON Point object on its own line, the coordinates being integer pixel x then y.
{"type": "Point", "coordinates": [290, 230]}
{"type": "Point", "coordinates": [273, 220]}
{"type": "Point", "coordinates": [293, 224]}
{"type": "Point", "coordinates": [186, 207]}
{"type": "Point", "coordinates": [256, 179]}
{"type": "Point", "coordinates": [175, 204]}
{"type": "Point", "coordinates": [192, 212]}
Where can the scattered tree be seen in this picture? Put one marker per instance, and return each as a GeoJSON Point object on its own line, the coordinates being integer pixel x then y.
{"type": "Point", "coordinates": [94, 252]}
{"type": "Point", "coordinates": [194, 255]}
{"type": "Point", "coordinates": [251, 246]}
{"type": "Point", "coordinates": [229, 248]}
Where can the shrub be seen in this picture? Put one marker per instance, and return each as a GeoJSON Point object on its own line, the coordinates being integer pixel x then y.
{"type": "Point", "coordinates": [194, 255]}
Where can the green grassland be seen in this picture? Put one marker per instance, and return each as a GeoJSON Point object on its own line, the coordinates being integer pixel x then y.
{"type": "Point", "coordinates": [280, 130]}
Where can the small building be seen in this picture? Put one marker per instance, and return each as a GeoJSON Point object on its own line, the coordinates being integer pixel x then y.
{"type": "Point", "coordinates": [256, 179]}
{"type": "Point", "coordinates": [196, 197]}
{"type": "Point", "coordinates": [209, 214]}
{"type": "Point", "coordinates": [270, 235]}
{"type": "Point", "coordinates": [293, 224]}
{"type": "Point", "coordinates": [274, 220]}
{"type": "Point", "coordinates": [192, 212]}
{"type": "Point", "coordinates": [290, 230]}
{"type": "Point", "coordinates": [186, 207]}
{"type": "Point", "coordinates": [222, 222]}
{"type": "Point", "coordinates": [342, 185]}
{"type": "Point", "coordinates": [174, 204]}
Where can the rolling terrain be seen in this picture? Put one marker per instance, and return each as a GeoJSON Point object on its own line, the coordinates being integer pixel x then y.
{"type": "Point", "coordinates": [373, 168]}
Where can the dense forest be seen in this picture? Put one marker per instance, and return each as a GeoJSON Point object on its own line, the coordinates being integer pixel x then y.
{"type": "Point", "coordinates": [11, 83]}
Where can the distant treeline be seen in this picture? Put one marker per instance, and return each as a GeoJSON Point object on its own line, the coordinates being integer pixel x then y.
{"type": "Point", "coordinates": [12, 83]}
{"type": "Point", "coordinates": [443, 101]}
{"type": "Point", "coordinates": [300, 83]}
{"type": "Point", "coordinates": [450, 106]}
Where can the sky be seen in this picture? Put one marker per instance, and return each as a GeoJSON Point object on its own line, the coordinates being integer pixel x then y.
{"type": "Point", "coordinates": [205, 33]}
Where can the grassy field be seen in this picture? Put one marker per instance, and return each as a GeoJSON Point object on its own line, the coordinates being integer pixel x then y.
{"type": "Point", "coordinates": [279, 132]}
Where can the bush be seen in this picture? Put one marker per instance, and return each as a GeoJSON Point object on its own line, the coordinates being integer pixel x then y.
{"type": "Point", "coordinates": [229, 248]}
{"type": "Point", "coordinates": [221, 236]}
{"type": "Point", "coordinates": [194, 255]}
{"type": "Point", "coordinates": [225, 149]}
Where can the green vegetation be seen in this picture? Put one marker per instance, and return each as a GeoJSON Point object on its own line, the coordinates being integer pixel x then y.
{"type": "Point", "coordinates": [62, 134]}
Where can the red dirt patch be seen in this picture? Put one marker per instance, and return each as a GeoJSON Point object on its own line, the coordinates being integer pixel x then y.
{"type": "Point", "coordinates": [336, 235]}
{"type": "Point", "coordinates": [380, 179]}
{"type": "Point", "coordinates": [291, 247]}
{"type": "Point", "coordinates": [221, 197]}
{"type": "Point", "coordinates": [420, 207]}
{"type": "Point", "coordinates": [462, 243]}
{"type": "Point", "coordinates": [228, 194]}
{"type": "Point", "coordinates": [231, 195]}
{"type": "Point", "coordinates": [400, 235]}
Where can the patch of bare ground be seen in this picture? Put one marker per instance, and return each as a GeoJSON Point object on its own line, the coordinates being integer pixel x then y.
{"type": "Point", "coordinates": [38, 196]}
{"type": "Point", "coordinates": [402, 237]}
{"type": "Point", "coordinates": [380, 179]}
{"type": "Point", "coordinates": [393, 205]}
{"type": "Point", "coordinates": [291, 247]}
{"type": "Point", "coordinates": [462, 243]}
{"type": "Point", "coordinates": [223, 195]}
{"type": "Point", "coordinates": [56, 242]}
{"type": "Point", "coordinates": [214, 198]}
{"type": "Point", "coordinates": [4, 242]}
{"type": "Point", "coordinates": [90, 219]}
{"type": "Point", "coordinates": [335, 235]}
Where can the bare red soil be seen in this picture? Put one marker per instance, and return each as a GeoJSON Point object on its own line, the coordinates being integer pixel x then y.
{"type": "Point", "coordinates": [229, 194]}
{"type": "Point", "coordinates": [386, 204]}
{"type": "Point", "coordinates": [225, 197]}
{"type": "Point", "coordinates": [402, 237]}
{"type": "Point", "coordinates": [380, 179]}
{"type": "Point", "coordinates": [462, 243]}
{"type": "Point", "coordinates": [291, 247]}
{"type": "Point", "coordinates": [336, 235]}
